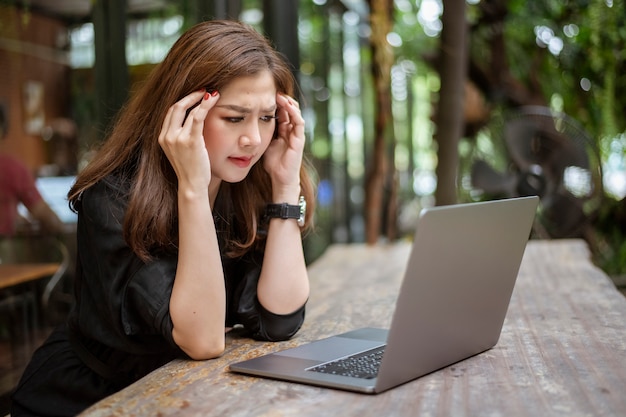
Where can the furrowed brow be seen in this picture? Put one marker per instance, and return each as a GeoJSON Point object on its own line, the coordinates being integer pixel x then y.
{"type": "Point", "coordinates": [234, 107]}
{"type": "Point", "coordinates": [245, 110]}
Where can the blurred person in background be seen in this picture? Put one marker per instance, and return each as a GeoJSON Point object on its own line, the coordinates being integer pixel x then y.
{"type": "Point", "coordinates": [17, 185]}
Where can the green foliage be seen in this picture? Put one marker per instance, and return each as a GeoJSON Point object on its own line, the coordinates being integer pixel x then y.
{"type": "Point", "coordinates": [585, 74]}
{"type": "Point", "coordinates": [593, 47]}
{"type": "Point", "coordinates": [610, 253]}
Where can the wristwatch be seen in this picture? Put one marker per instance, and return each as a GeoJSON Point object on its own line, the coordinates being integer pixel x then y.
{"type": "Point", "coordinates": [287, 211]}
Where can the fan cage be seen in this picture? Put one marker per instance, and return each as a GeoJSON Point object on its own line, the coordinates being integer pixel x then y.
{"type": "Point", "coordinates": [580, 181]}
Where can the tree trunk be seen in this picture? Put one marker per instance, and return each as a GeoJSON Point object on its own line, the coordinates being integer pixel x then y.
{"type": "Point", "coordinates": [450, 113]}
{"type": "Point", "coordinates": [381, 15]}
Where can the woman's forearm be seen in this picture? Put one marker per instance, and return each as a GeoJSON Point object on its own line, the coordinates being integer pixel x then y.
{"type": "Point", "coordinates": [198, 301]}
{"type": "Point", "coordinates": [284, 283]}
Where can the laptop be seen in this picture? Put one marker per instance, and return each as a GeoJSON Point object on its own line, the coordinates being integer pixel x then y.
{"type": "Point", "coordinates": [452, 304]}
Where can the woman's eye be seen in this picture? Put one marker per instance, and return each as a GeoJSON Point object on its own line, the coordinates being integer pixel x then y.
{"type": "Point", "coordinates": [268, 118]}
{"type": "Point", "coordinates": [234, 119]}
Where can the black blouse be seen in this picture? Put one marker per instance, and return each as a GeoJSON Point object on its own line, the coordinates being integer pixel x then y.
{"type": "Point", "coordinates": [120, 326]}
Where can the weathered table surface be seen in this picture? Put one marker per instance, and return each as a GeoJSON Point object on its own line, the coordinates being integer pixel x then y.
{"type": "Point", "coordinates": [562, 351]}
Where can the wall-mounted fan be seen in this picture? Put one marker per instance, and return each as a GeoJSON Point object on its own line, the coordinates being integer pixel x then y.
{"type": "Point", "coordinates": [549, 155]}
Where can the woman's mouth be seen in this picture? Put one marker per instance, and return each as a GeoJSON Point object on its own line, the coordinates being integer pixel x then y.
{"type": "Point", "coordinates": [241, 161]}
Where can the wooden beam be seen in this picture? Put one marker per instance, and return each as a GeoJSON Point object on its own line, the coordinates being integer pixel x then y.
{"type": "Point", "coordinates": [111, 70]}
{"type": "Point", "coordinates": [280, 22]}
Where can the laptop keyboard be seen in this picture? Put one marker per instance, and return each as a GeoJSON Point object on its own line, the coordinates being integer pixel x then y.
{"type": "Point", "coordinates": [361, 365]}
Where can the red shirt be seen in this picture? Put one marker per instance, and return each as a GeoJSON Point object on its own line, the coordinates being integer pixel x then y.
{"type": "Point", "coordinates": [17, 185]}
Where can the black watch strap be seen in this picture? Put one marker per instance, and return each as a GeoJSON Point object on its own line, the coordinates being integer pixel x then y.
{"type": "Point", "coordinates": [282, 211]}
{"type": "Point", "coordinates": [287, 211]}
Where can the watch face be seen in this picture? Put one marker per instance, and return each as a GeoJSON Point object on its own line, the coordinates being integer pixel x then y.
{"type": "Point", "coordinates": [302, 204]}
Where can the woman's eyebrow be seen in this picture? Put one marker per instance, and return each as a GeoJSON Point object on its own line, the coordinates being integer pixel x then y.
{"type": "Point", "coordinates": [245, 110]}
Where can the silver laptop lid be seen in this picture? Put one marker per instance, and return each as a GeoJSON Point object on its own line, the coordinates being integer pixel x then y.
{"type": "Point", "coordinates": [457, 286]}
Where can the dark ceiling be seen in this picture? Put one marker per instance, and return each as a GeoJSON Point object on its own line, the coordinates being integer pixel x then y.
{"type": "Point", "coordinates": [80, 10]}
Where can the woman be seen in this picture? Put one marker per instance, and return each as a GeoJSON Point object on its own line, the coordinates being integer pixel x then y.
{"type": "Point", "coordinates": [178, 234]}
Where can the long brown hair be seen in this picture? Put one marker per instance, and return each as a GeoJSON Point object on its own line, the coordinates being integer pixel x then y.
{"type": "Point", "coordinates": [210, 54]}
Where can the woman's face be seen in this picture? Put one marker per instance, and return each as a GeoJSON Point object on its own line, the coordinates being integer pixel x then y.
{"type": "Point", "coordinates": [239, 128]}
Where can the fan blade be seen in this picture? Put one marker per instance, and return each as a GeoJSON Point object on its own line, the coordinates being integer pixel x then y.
{"type": "Point", "coordinates": [519, 136]}
{"type": "Point", "coordinates": [537, 141]}
{"type": "Point", "coordinates": [532, 182]}
{"type": "Point", "coordinates": [489, 180]}
{"type": "Point", "coordinates": [564, 154]}
{"type": "Point", "coordinates": [562, 215]}
{"type": "Point", "coordinates": [571, 154]}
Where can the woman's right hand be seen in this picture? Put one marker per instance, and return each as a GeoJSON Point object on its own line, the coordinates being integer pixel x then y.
{"type": "Point", "coordinates": [182, 140]}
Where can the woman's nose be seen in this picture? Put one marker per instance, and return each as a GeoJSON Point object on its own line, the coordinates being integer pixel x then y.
{"type": "Point", "coordinates": [251, 136]}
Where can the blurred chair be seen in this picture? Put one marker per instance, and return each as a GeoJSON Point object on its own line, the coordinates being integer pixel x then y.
{"type": "Point", "coordinates": [57, 291]}
{"type": "Point", "coordinates": [48, 297]}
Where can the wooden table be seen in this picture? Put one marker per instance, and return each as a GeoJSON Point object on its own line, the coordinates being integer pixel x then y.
{"type": "Point", "coordinates": [15, 274]}
{"type": "Point", "coordinates": [562, 351]}
{"type": "Point", "coordinates": [21, 278]}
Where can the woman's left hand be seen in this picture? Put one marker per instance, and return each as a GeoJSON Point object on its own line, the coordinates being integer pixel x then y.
{"type": "Point", "coordinates": [283, 157]}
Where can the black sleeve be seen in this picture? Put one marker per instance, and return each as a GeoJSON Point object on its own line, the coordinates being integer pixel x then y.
{"type": "Point", "coordinates": [145, 300]}
{"type": "Point", "coordinates": [260, 323]}
{"type": "Point", "coordinates": [122, 301]}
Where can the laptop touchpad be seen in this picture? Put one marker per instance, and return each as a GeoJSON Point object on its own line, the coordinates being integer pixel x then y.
{"type": "Point", "coordinates": [329, 349]}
